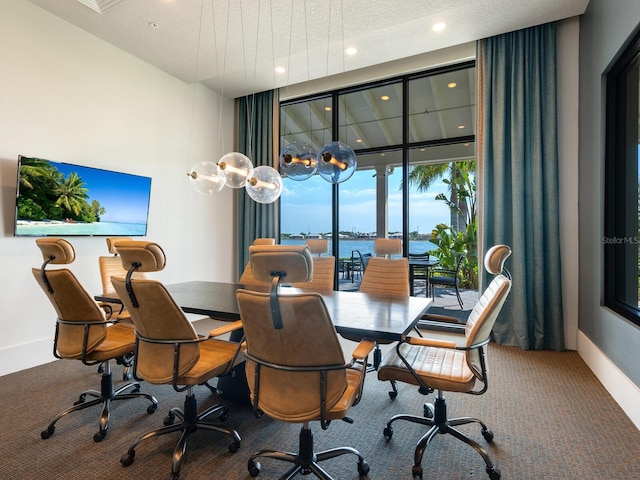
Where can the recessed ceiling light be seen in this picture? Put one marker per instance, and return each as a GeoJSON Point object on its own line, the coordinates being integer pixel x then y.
{"type": "Point", "coordinates": [460, 127]}
{"type": "Point", "coordinates": [280, 70]}
{"type": "Point", "coordinates": [438, 27]}
{"type": "Point", "coordinates": [452, 85]}
{"type": "Point", "coordinates": [384, 97]}
{"type": "Point", "coordinates": [359, 140]}
{"type": "Point", "coordinates": [327, 109]}
{"type": "Point", "coordinates": [351, 51]}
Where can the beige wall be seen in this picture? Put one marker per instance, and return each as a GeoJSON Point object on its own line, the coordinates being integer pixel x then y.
{"type": "Point", "coordinates": [68, 96]}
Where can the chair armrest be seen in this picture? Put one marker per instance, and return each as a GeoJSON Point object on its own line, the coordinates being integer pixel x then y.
{"type": "Point", "coordinates": [363, 349]}
{"type": "Point", "coordinates": [432, 317]}
{"type": "Point", "coordinates": [431, 342]}
{"type": "Point", "coordinates": [229, 327]}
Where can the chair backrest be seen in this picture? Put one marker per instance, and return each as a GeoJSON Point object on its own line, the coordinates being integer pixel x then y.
{"type": "Point", "coordinates": [385, 247]}
{"type": "Point", "coordinates": [264, 241]}
{"type": "Point", "coordinates": [111, 266]}
{"type": "Point", "coordinates": [70, 300]}
{"type": "Point", "coordinates": [323, 273]}
{"type": "Point", "coordinates": [289, 330]}
{"type": "Point", "coordinates": [385, 275]}
{"type": "Point", "coordinates": [247, 277]}
{"type": "Point", "coordinates": [484, 314]}
{"type": "Point", "coordinates": [155, 314]}
{"type": "Point", "coordinates": [318, 246]}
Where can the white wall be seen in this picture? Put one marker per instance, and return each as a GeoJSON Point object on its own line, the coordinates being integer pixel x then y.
{"type": "Point", "coordinates": [68, 96]}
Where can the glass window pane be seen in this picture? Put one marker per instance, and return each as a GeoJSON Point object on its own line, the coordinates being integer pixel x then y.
{"type": "Point", "coordinates": [372, 117]}
{"type": "Point", "coordinates": [307, 122]}
{"type": "Point", "coordinates": [442, 106]}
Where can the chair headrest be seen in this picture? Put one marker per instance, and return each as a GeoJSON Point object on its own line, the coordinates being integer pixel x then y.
{"type": "Point", "coordinates": [148, 255]}
{"type": "Point", "coordinates": [60, 249]}
{"type": "Point", "coordinates": [111, 243]}
{"type": "Point", "coordinates": [387, 246]}
{"type": "Point", "coordinates": [318, 246]}
{"type": "Point", "coordinates": [293, 260]}
{"type": "Point", "coordinates": [495, 257]}
{"type": "Point", "coordinates": [264, 241]}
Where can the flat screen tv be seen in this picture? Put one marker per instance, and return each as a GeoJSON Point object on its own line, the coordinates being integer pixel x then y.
{"type": "Point", "coordinates": [63, 199]}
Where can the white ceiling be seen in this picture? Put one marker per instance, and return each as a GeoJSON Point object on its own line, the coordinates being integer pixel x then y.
{"type": "Point", "coordinates": [233, 46]}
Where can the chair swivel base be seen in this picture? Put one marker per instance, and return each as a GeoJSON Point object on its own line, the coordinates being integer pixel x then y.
{"type": "Point", "coordinates": [190, 421]}
{"type": "Point", "coordinates": [306, 461]}
{"type": "Point", "coordinates": [436, 418]}
{"type": "Point", "coordinates": [104, 397]}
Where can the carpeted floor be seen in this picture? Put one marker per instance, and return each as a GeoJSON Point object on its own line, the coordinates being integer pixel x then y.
{"type": "Point", "coordinates": [552, 419]}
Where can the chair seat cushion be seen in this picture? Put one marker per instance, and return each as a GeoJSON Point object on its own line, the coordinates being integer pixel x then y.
{"type": "Point", "coordinates": [120, 341]}
{"type": "Point", "coordinates": [443, 280]}
{"type": "Point", "coordinates": [215, 358]}
{"type": "Point", "coordinates": [439, 368]}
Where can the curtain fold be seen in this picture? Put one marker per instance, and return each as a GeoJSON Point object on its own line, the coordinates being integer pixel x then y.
{"type": "Point", "coordinates": [518, 180]}
{"type": "Point", "coordinates": [257, 140]}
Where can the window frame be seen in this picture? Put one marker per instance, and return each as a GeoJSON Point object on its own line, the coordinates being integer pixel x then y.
{"type": "Point", "coordinates": [621, 174]}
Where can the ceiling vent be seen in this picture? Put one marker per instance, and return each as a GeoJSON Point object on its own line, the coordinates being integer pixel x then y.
{"type": "Point", "coordinates": [100, 6]}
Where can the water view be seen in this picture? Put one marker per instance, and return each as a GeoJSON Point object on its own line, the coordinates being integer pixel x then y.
{"type": "Point", "coordinates": [364, 246]}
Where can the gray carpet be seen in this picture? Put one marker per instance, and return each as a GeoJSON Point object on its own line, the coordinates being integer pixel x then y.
{"type": "Point", "coordinates": [552, 419]}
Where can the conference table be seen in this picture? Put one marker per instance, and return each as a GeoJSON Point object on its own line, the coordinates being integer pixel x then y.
{"type": "Point", "coordinates": [378, 317]}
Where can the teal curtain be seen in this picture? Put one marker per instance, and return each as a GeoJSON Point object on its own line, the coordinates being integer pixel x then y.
{"type": "Point", "coordinates": [256, 140]}
{"type": "Point", "coordinates": [518, 172]}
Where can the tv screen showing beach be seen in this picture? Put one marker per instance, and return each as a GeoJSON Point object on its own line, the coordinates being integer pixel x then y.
{"type": "Point", "coordinates": [63, 199]}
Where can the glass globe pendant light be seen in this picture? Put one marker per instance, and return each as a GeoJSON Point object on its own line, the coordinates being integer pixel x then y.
{"type": "Point", "coordinates": [298, 161]}
{"type": "Point", "coordinates": [264, 185]}
{"type": "Point", "coordinates": [336, 162]}
{"type": "Point", "coordinates": [206, 178]}
{"type": "Point", "coordinates": [236, 168]}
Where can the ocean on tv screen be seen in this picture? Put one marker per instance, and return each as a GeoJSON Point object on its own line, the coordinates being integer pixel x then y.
{"type": "Point", "coordinates": [58, 227]}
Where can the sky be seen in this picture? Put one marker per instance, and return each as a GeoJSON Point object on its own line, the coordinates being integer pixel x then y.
{"type": "Point", "coordinates": [306, 205]}
{"type": "Point", "coordinates": [125, 197]}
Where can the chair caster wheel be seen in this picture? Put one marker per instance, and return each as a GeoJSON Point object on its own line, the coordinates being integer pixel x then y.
{"type": "Point", "coordinates": [80, 400]}
{"type": "Point", "coordinates": [388, 432]}
{"type": "Point", "coordinates": [98, 437]}
{"type": "Point", "coordinates": [47, 433]}
{"type": "Point", "coordinates": [428, 410]}
{"type": "Point", "coordinates": [416, 471]}
{"type": "Point", "coordinates": [393, 395]}
{"type": "Point", "coordinates": [254, 468]}
{"type": "Point", "coordinates": [363, 468]}
{"type": "Point", "coordinates": [234, 447]}
{"type": "Point", "coordinates": [488, 435]}
{"type": "Point", "coordinates": [223, 416]}
{"type": "Point", "coordinates": [152, 408]}
{"type": "Point", "coordinates": [136, 389]}
{"type": "Point", "coordinates": [494, 473]}
{"type": "Point", "coordinates": [173, 476]}
{"type": "Point", "coordinates": [127, 458]}
{"type": "Point", "coordinates": [169, 419]}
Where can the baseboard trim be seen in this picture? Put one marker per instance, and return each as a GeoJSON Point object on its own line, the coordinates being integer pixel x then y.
{"type": "Point", "coordinates": [623, 390]}
{"type": "Point", "coordinates": [26, 355]}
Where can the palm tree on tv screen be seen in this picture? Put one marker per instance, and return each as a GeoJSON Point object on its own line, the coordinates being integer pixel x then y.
{"type": "Point", "coordinates": [72, 194]}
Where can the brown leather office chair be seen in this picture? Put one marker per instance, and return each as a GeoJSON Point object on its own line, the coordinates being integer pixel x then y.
{"type": "Point", "coordinates": [451, 364]}
{"type": "Point", "coordinates": [247, 277]}
{"type": "Point", "coordinates": [385, 276]}
{"type": "Point", "coordinates": [169, 350]}
{"type": "Point", "coordinates": [323, 267]}
{"type": "Point", "coordinates": [295, 364]}
{"type": "Point", "coordinates": [111, 266]}
{"type": "Point", "coordinates": [84, 333]}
